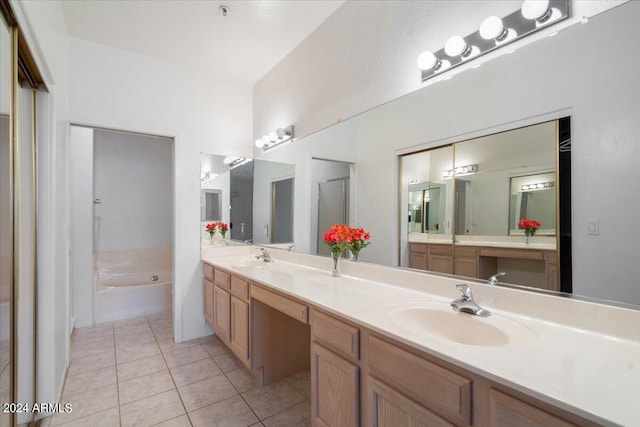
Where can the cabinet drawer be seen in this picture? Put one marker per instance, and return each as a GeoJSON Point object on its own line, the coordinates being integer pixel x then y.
{"type": "Point", "coordinates": [285, 305]}
{"type": "Point", "coordinates": [446, 250]}
{"type": "Point", "coordinates": [222, 278]}
{"type": "Point", "coordinates": [335, 334]}
{"type": "Point", "coordinates": [418, 248]}
{"type": "Point", "coordinates": [207, 272]}
{"type": "Point", "coordinates": [442, 391]}
{"type": "Point", "coordinates": [505, 410]}
{"type": "Point", "coordinates": [466, 252]}
{"type": "Point", "coordinates": [240, 287]}
{"type": "Point", "coordinates": [512, 253]}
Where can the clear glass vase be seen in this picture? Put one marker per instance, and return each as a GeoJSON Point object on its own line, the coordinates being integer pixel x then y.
{"type": "Point", "coordinates": [355, 255]}
{"type": "Point", "coordinates": [335, 256]}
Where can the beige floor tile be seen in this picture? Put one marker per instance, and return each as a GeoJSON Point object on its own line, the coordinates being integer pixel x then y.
{"type": "Point", "coordinates": [227, 362]}
{"type": "Point", "coordinates": [181, 421]}
{"type": "Point", "coordinates": [89, 380]}
{"type": "Point", "coordinates": [185, 355]}
{"type": "Point", "coordinates": [232, 412]}
{"type": "Point", "coordinates": [136, 352]}
{"type": "Point", "coordinates": [130, 321]}
{"type": "Point", "coordinates": [164, 335]}
{"type": "Point", "coordinates": [168, 347]}
{"type": "Point", "coordinates": [205, 392]}
{"type": "Point", "coordinates": [108, 418]}
{"type": "Point", "coordinates": [208, 338]}
{"type": "Point", "coordinates": [94, 334]}
{"type": "Point", "coordinates": [134, 329]}
{"type": "Point", "coordinates": [148, 385]}
{"type": "Point", "coordinates": [100, 328]}
{"type": "Point", "coordinates": [136, 339]}
{"type": "Point", "coordinates": [269, 400]}
{"type": "Point", "coordinates": [299, 416]}
{"type": "Point", "coordinates": [259, 425]}
{"type": "Point", "coordinates": [88, 403]}
{"type": "Point", "coordinates": [302, 383]}
{"type": "Point", "coordinates": [158, 316]}
{"type": "Point", "coordinates": [141, 367]}
{"type": "Point", "coordinates": [215, 348]}
{"type": "Point", "coordinates": [194, 372]}
{"type": "Point", "coordinates": [151, 410]}
{"type": "Point", "coordinates": [242, 380]}
{"type": "Point", "coordinates": [89, 363]}
{"type": "Point", "coordinates": [161, 324]}
{"type": "Point", "coordinates": [79, 350]}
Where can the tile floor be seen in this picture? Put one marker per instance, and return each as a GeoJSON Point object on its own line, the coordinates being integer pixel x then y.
{"type": "Point", "coordinates": [131, 373]}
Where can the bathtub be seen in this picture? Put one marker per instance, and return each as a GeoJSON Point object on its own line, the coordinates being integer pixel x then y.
{"type": "Point", "coordinates": [132, 282]}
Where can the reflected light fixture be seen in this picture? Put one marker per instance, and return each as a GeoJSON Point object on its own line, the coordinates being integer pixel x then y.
{"type": "Point", "coordinates": [538, 186]}
{"type": "Point", "coordinates": [493, 33]}
{"type": "Point", "coordinates": [233, 161]}
{"type": "Point", "coordinates": [460, 171]}
{"type": "Point", "coordinates": [274, 138]}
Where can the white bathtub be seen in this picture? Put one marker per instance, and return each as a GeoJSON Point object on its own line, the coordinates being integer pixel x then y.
{"type": "Point", "coordinates": [132, 283]}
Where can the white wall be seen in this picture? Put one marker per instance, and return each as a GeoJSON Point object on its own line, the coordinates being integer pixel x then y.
{"type": "Point", "coordinates": [133, 179]}
{"type": "Point", "coordinates": [82, 224]}
{"type": "Point", "coordinates": [115, 89]}
{"type": "Point", "coordinates": [538, 82]}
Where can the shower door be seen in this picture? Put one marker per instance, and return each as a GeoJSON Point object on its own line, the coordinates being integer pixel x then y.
{"type": "Point", "coordinates": [333, 205]}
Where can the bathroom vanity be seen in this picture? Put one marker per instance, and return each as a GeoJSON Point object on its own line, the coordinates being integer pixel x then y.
{"type": "Point", "coordinates": [385, 348]}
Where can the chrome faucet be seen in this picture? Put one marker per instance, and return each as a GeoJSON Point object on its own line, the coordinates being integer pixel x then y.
{"type": "Point", "coordinates": [266, 256]}
{"type": "Point", "coordinates": [493, 280]}
{"type": "Point", "coordinates": [466, 303]}
{"type": "Point", "coordinates": [290, 247]}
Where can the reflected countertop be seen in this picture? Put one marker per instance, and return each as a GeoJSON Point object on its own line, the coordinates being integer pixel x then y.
{"type": "Point", "coordinates": [542, 243]}
{"type": "Point", "coordinates": [584, 358]}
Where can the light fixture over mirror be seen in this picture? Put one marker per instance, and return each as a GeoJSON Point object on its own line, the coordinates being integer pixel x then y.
{"type": "Point", "coordinates": [274, 138]}
{"type": "Point", "coordinates": [494, 32]}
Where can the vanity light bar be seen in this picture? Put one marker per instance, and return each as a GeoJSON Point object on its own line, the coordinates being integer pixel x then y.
{"type": "Point", "coordinates": [460, 170]}
{"type": "Point", "coordinates": [494, 32]}
{"type": "Point", "coordinates": [274, 138]}
{"type": "Point", "coordinates": [234, 162]}
{"type": "Point", "coordinates": [539, 186]}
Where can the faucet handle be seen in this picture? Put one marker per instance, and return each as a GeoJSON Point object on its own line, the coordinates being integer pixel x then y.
{"type": "Point", "coordinates": [465, 291]}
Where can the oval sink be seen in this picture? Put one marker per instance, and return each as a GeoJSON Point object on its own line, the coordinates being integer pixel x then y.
{"type": "Point", "coordinates": [252, 263]}
{"type": "Point", "coordinates": [438, 320]}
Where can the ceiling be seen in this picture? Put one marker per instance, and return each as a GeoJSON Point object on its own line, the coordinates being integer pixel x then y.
{"type": "Point", "coordinates": [242, 46]}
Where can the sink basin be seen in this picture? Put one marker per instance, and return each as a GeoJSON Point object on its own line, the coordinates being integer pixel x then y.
{"type": "Point", "coordinates": [252, 263]}
{"type": "Point", "coordinates": [439, 321]}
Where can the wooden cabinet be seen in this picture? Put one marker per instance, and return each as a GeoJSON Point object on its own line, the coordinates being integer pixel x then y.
{"type": "Point", "coordinates": [222, 313]}
{"type": "Point", "coordinates": [551, 271]}
{"type": "Point", "coordinates": [335, 389]}
{"type": "Point", "coordinates": [239, 333]}
{"type": "Point", "coordinates": [392, 409]}
{"type": "Point", "coordinates": [418, 256]}
{"type": "Point", "coordinates": [466, 261]}
{"type": "Point", "coordinates": [207, 301]}
{"type": "Point", "coordinates": [440, 258]}
{"type": "Point", "coordinates": [507, 411]}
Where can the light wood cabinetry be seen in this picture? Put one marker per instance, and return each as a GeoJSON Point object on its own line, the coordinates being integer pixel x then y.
{"type": "Point", "coordinates": [207, 301]}
{"type": "Point", "coordinates": [440, 258]}
{"type": "Point", "coordinates": [418, 256]}
{"type": "Point", "coordinates": [466, 262]}
{"type": "Point", "coordinates": [335, 389]}
{"type": "Point", "coordinates": [358, 376]}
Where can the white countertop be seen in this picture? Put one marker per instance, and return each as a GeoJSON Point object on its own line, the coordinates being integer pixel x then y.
{"type": "Point", "coordinates": [543, 243]}
{"type": "Point", "coordinates": [582, 357]}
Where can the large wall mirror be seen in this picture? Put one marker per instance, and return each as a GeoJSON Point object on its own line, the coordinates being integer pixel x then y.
{"type": "Point", "coordinates": [496, 182]}
{"type": "Point", "coordinates": [254, 197]}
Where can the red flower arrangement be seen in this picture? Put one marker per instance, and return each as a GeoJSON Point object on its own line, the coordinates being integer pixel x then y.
{"type": "Point", "coordinates": [341, 237]}
{"type": "Point", "coordinates": [436, 226]}
{"type": "Point", "coordinates": [217, 226]}
{"type": "Point", "coordinates": [530, 226]}
{"type": "Point", "coordinates": [358, 239]}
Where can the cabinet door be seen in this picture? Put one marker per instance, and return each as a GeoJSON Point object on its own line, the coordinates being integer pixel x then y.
{"type": "Point", "coordinates": [239, 339]}
{"type": "Point", "coordinates": [390, 409]}
{"type": "Point", "coordinates": [207, 295]}
{"type": "Point", "coordinates": [466, 267]}
{"type": "Point", "coordinates": [418, 260]}
{"type": "Point", "coordinates": [335, 398]}
{"type": "Point", "coordinates": [507, 411]}
{"type": "Point", "coordinates": [221, 313]}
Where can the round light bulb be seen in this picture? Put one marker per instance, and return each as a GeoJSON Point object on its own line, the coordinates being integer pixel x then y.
{"type": "Point", "coordinates": [427, 61]}
{"type": "Point", "coordinates": [227, 160]}
{"type": "Point", "coordinates": [273, 136]}
{"type": "Point", "coordinates": [259, 143]}
{"type": "Point", "coordinates": [265, 140]}
{"type": "Point", "coordinates": [456, 46]}
{"type": "Point", "coordinates": [492, 28]}
{"type": "Point", "coordinates": [535, 9]}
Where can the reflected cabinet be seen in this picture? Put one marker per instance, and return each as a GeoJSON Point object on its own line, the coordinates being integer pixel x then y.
{"type": "Point", "coordinates": [497, 203]}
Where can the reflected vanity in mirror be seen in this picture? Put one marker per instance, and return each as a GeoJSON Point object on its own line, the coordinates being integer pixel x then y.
{"type": "Point", "coordinates": [254, 197]}
{"type": "Point", "coordinates": [497, 181]}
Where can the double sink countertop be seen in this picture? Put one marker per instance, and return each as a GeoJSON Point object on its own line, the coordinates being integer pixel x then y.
{"type": "Point", "coordinates": [580, 356]}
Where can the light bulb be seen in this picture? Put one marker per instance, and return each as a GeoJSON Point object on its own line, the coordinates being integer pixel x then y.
{"type": "Point", "coordinates": [536, 9]}
{"type": "Point", "coordinates": [273, 136]}
{"type": "Point", "coordinates": [266, 140]}
{"type": "Point", "coordinates": [428, 61]}
{"type": "Point", "coordinates": [227, 160]}
{"type": "Point", "coordinates": [492, 28]}
{"type": "Point", "coordinates": [456, 46]}
{"type": "Point", "coordinates": [259, 143]}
